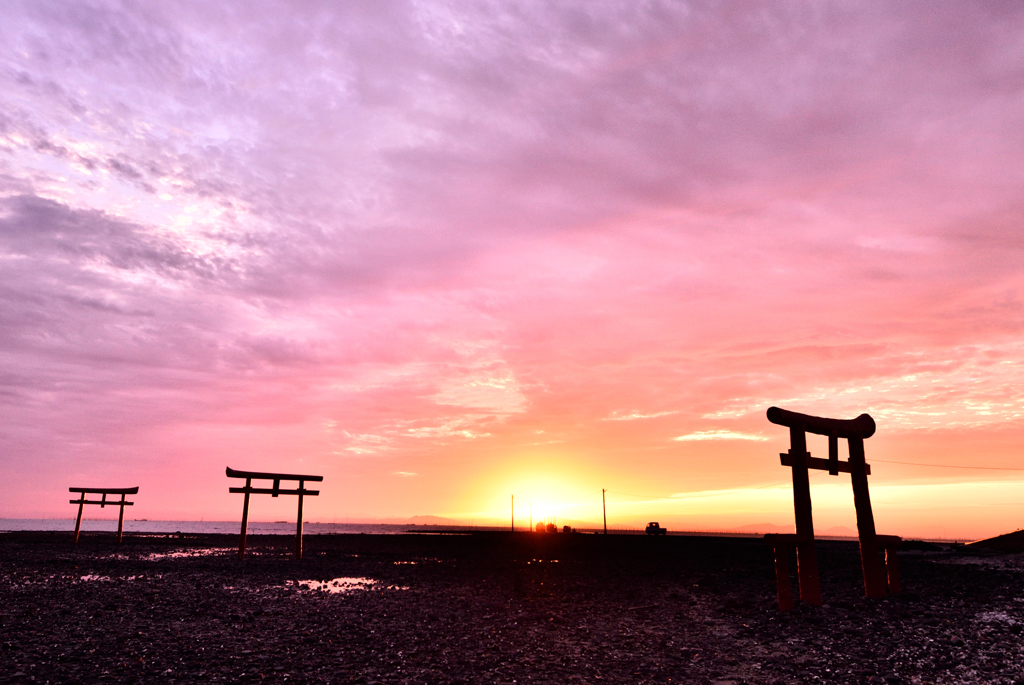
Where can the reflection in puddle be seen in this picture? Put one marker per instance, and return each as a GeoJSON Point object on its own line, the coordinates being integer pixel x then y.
{"type": "Point", "coordinates": [88, 578]}
{"type": "Point", "coordinates": [25, 582]}
{"type": "Point", "coordinates": [173, 554]}
{"type": "Point", "coordinates": [188, 553]}
{"type": "Point", "coordinates": [337, 586]}
{"type": "Point", "coordinates": [422, 560]}
{"type": "Point", "coordinates": [107, 579]}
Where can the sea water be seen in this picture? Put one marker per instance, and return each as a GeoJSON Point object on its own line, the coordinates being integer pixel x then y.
{"type": "Point", "coordinates": [231, 527]}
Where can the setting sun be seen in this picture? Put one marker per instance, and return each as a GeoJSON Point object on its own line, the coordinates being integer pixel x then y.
{"type": "Point", "coordinates": [546, 487]}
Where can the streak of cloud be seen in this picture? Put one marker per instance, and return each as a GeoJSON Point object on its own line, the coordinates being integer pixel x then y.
{"type": "Point", "coordinates": [718, 435]}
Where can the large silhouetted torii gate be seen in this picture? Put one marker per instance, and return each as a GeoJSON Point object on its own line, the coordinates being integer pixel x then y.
{"type": "Point", "coordinates": [249, 476]}
{"type": "Point", "coordinates": [854, 431]}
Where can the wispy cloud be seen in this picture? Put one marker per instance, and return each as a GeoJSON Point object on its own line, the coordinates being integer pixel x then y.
{"type": "Point", "coordinates": [635, 416]}
{"type": "Point", "coordinates": [719, 435]}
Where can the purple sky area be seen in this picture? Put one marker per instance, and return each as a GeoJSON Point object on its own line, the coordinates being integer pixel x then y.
{"type": "Point", "coordinates": [442, 252]}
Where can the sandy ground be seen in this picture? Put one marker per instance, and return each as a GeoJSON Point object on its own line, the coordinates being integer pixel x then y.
{"type": "Point", "coordinates": [493, 608]}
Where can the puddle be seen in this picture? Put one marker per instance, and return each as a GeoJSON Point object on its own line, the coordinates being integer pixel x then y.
{"type": "Point", "coordinates": [423, 560]}
{"type": "Point", "coordinates": [27, 581]}
{"type": "Point", "coordinates": [107, 579]}
{"type": "Point", "coordinates": [339, 586]}
{"type": "Point", "coordinates": [88, 578]}
{"type": "Point", "coordinates": [174, 554]}
{"type": "Point", "coordinates": [189, 553]}
{"type": "Point", "coordinates": [335, 586]}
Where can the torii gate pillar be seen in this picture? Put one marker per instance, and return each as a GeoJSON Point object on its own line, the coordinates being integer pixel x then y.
{"type": "Point", "coordinates": [870, 559]}
{"type": "Point", "coordinates": [806, 557]}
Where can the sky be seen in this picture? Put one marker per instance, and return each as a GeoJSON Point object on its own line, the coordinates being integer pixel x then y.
{"type": "Point", "coordinates": [444, 253]}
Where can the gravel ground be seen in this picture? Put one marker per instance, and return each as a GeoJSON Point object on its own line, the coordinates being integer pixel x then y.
{"type": "Point", "coordinates": [493, 608]}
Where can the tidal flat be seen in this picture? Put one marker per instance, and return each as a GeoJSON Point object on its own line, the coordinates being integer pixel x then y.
{"type": "Point", "coordinates": [493, 608]}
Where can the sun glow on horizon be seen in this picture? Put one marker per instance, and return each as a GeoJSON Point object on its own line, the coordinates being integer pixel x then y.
{"type": "Point", "coordinates": [549, 489]}
{"type": "Point", "coordinates": [923, 510]}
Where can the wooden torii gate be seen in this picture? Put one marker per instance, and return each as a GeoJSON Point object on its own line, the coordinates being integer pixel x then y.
{"type": "Point", "coordinates": [854, 431]}
{"type": "Point", "coordinates": [83, 499]}
{"type": "Point", "coordinates": [249, 476]}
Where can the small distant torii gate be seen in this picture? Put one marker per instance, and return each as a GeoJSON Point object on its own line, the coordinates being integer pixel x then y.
{"type": "Point", "coordinates": [854, 431]}
{"type": "Point", "coordinates": [83, 499]}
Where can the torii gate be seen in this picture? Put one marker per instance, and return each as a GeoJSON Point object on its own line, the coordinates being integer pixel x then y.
{"type": "Point", "coordinates": [855, 431]}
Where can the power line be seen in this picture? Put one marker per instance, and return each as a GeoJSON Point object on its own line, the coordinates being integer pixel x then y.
{"type": "Point", "coordinates": [711, 494]}
{"type": "Point", "coordinates": [626, 494]}
{"type": "Point", "coordinates": [785, 482]}
{"type": "Point", "coordinates": [951, 466]}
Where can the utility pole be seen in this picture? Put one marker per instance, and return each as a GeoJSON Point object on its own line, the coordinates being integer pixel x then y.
{"type": "Point", "coordinates": [604, 511]}
{"type": "Point", "coordinates": [513, 513]}
{"type": "Point", "coordinates": [531, 517]}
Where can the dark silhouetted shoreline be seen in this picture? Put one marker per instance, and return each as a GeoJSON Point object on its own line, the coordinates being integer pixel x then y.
{"type": "Point", "coordinates": [492, 607]}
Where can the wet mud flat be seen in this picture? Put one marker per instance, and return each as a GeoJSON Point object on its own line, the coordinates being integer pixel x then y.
{"type": "Point", "coordinates": [493, 608]}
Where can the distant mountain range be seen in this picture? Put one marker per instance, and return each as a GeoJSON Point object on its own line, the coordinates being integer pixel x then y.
{"type": "Point", "coordinates": [834, 531]}
{"type": "Point", "coordinates": [430, 521]}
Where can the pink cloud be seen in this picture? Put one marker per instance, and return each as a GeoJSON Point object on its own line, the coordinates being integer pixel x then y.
{"type": "Point", "coordinates": [458, 241]}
